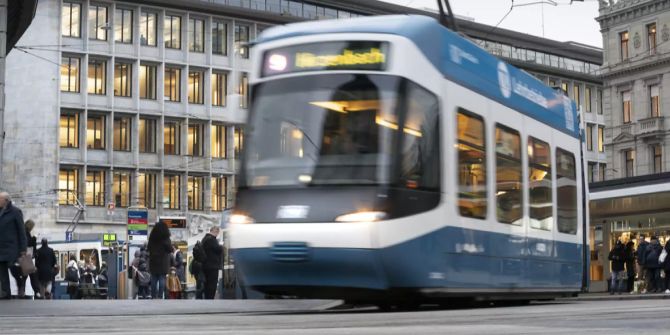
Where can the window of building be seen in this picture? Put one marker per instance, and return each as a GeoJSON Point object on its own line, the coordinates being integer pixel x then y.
{"type": "Point", "coordinates": [97, 76]}
{"type": "Point", "coordinates": [196, 192]}
{"type": "Point", "coordinates": [593, 170]}
{"type": "Point", "coordinates": [69, 130]}
{"type": "Point", "coordinates": [172, 191]}
{"type": "Point", "coordinates": [623, 37]}
{"type": "Point", "coordinates": [146, 189]}
{"type": "Point", "coordinates": [242, 40]}
{"type": "Point", "coordinates": [576, 96]}
{"type": "Point", "coordinates": [97, 22]}
{"type": "Point", "coordinates": [219, 38]}
{"type": "Point", "coordinates": [651, 38]}
{"type": "Point", "coordinates": [509, 192]}
{"type": "Point", "coordinates": [122, 131]}
{"type": "Point", "coordinates": [238, 141]}
{"type": "Point", "coordinates": [195, 87]}
{"type": "Point", "coordinates": [564, 88]}
{"type": "Point", "coordinates": [69, 74]}
{"type": "Point", "coordinates": [71, 16]}
{"type": "Point", "coordinates": [148, 81]}
{"type": "Point", "coordinates": [121, 189]}
{"type": "Point", "coordinates": [243, 90]}
{"type": "Point", "coordinates": [654, 101]}
{"type": "Point", "coordinates": [540, 198]}
{"type": "Point", "coordinates": [147, 133]}
{"type": "Point", "coordinates": [219, 81]}
{"type": "Point", "coordinates": [471, 165]}
{"type": "Point", "coordinates": [566, 192]}
{"type": "Point", "coordinates": [123, 25]}
{"type": "Point", "coordinates": [172, 31]}
{"type": "Point", "coordinates": [600, 102]}
{"type": "Point", "coordinates": [148, 29]}
{"type": "Point", "coordinates": [172, 84]}
{"type": "Point", "coordinates": [95, 132]}
{"type": "Point", "coordinates": [68, 186]}
{"type": "Point", "coordinates": [626, 107]}
{"type": "Point", "coordinates": [219, 193]}
{"type": "Point", "coordinates": [171, 137]}
{"type": "Point", "coordinates": [218, 135]}
{"type": "Point", "coordinates": [123, 79]}
{"type": "Point", "coordinates": [601, 139]}
{"type": "Point", "coordinates": [589, 137]}
{"type": "Point", "coordinates": [601, 172]}
{"type": "Point", "coordinates": [95, 188]}
{"type": "Point", "coordinates": [629, 162]}
{"type": "Point", "coordinates": [657, 158]}
{"type": "Point", "coordinates": [587, 99]}
{"type": "Point", "coordinates": [195, 139]}
{"type": "Point", "coordinates": [196, 31]}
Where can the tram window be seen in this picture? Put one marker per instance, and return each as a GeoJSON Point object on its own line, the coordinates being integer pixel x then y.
{"type": "Point", "coordinates": [90, 257]}
{"type": "Point", "coordinates": [540, 199]}
{"type": "Point", "coordinates": [566, 192]}
{"type": "Point", "coordinates": [420, 162]}
{"type": "Point", "coordinates": [471, 165]}
{"type": "Point", "coordinates": [509, 207]}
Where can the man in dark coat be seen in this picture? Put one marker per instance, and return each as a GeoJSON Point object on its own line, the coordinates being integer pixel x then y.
{"type": "Point", "coordinates": [618, 258]}
{"type": "Point", "coordinates": [212, 264]}
{"type": "Point", "coordinates": [651, 263]}
{"type": "Point", "coordinates": [13, 241]}
{"type": "Point", "coordinates": [639, 255]}
{"type": "Point", "coordinates": [45, 261]}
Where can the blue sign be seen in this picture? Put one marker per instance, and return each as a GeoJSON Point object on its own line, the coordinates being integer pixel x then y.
{"type": "Point", "coordinates": [138, 224]}
{"type": "Point", "coordinates": [68, 236]}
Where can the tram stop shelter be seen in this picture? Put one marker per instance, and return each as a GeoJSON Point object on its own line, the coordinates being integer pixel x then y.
{"type": "Point", "coordinates": [625, 209]}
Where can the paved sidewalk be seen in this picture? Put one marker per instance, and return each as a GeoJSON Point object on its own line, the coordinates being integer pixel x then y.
{"type": "Point", "coordinates": [603, 296]}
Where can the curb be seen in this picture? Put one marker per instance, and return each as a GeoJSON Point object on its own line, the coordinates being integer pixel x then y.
{"type": "Point", "coordinates": [618, 297]}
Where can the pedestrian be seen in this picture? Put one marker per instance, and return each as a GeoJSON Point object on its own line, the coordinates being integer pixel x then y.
{"type": "Point", "coordinates": [160, 249]}
{"type": "Point", "coordinates": [178, 263]}
{"type": "Point", "coordinates": [46, 264]}
{"type": "Point", "coordinates": [72, 277]}
{"type": "Point", "coordinates": [173, 284]}
{"type": "Point", "coordinates": [651, 263]}
{"type": "Point", "coordinates": [16, 271]}
{"type": "Point", "coordinates": [195, 268]}
{"type": "Point", "coordinates": [629, 253]}
{"type": "Point", "coordinates": [640, 256]}
{"type": "Point", "coordinates": [13, 242]}
{"type": "Point", "coordinates": [618, 258]}
{"type": "Point", "coordinates": [212, 265]}
{"type": "Point", "coordinates": [665, 267]}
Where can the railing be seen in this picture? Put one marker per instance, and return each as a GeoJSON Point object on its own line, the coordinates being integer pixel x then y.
{"type": "Point", "coordinates": [651, 125]}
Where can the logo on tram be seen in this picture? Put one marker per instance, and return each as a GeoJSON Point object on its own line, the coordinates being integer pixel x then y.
{"type": "Point", "coordinates": [504, 80]}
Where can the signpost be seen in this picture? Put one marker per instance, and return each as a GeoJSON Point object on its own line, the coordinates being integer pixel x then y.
{"type": "Point", "coordinates": [138, 223]}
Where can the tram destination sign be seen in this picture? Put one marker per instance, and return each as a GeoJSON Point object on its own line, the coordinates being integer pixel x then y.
{"type": "Point", "coordinates": [323, 56]}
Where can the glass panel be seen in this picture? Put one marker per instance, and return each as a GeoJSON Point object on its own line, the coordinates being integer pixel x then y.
{"type": "Point", "coordinates": [566, 192]}
{"type": "Point", "coordinates": [97, 74]}
{"type": "Point", "coordinates": [219, 188]}
{"type": "Point", "coordinates": [68, 186]}
{"type": "Point", "coordinates": [69, 131]}
{"type": "Point", "coordinates": [195, 87]}
{"type": "Point", "coordinates": [195, 142]}
{"type": "Point", "coordinates": [601, 139]}
{"type": "Point", "coordinates": [95, 188]}
{"type": "Point", "coordinates": [509, 194]}
{"type": "Point", "coordinates": [218, 145]}
{"type": "Point", "coordinates": [540, 197]}
{"type": "Point", "coordinates": [148, 82]}
{"type": "Point", "coordinates": [97, 22]}
{"type": "Point", "coordinates": [69, 74]}
{"type": "Point", "coordinates": [123, 25]}
{"type": "Point", "coordinates": [146, 184]}
{"type": "Point", "coordinates": [172, 31]}
{"type": "Point", "coordinates": [171, 138]}
{"type": "Point", "coordinates": [471, 145]}
{"type": "Point", "coordinates": [243, 90]}
{"type": "Point", "coordinates": [148, 29]}
{"type": "Point", "coordinates": [95, 132]}
{"type": "Point", "coordinates": [241, 40]}
{"type": "Point", "coordinates": [122, 79]}
{"type": "Point", "coordinates": [147, 133]}
{"type": "Point", "coordinates": [197, 35]}
{"type": "Point", "coordinates": [219, 38]}
{"type": "Point", "coordinates": [172, 191]}
{"type": "Point", "coordinates": [172, 84]}
{"type": "Point", "coordinates": [195, 193]}
{"type": "Point", "coordinates": [122, 131]}
{"type": "Point", "coordinates": [219, 83]}
{"type": "Point", "coordinates": [121, 189]}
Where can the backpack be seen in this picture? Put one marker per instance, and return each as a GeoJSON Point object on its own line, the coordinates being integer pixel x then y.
{"type": "Point", "coordinates": [199, 253]}
{"type": "Point", "coordinates": [72, 274]}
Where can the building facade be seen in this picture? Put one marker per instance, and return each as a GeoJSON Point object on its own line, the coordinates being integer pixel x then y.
{"type": "Point", "coordinates": [118, 104]}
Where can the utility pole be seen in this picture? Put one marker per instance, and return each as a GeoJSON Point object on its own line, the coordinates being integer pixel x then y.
{"type": "Point", "coordinates": [3, 57]}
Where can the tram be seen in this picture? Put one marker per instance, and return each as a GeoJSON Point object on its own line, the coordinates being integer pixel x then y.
{"type": "Point", "coordinates": [389, 159]}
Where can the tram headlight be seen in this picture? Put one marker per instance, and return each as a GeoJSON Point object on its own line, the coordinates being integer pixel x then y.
{"type": "Point", "coordinates": [240, 219]}
{"type": "Point", "coordinates": [367, 216]}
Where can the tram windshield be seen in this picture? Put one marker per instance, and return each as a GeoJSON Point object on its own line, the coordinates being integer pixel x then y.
{"type": "Point", "coordinates": [336, 129]}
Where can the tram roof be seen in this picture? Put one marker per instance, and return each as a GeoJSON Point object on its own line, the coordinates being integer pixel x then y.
{"type": "Point", "coordinates": [459, 59]}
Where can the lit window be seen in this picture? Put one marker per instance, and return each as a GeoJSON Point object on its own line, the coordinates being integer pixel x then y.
{"type": "Point", "coordinates": [629, 162]}
{"type": "Point", "coordinates": [123, 25]}
{"type": "Point", "coordinates": [601, 139]}
{"type": "Point", "coordinates": [68, 186]}
{"type": "Point", "coordinates": [243, 90]}
{"type": "Point", "coordinates": [471, 165]}
{"type": "Point", "coordinates": [654, 101]}
{"type": "Point", "coordinates": [624, 45]}
{"type": "Point", "coordinates": [146, 188]}
{"type": "Point", "coordinates": [97, 76]}
{"type": "Point", "coordinates": [147, 133]}
{"type": "Point", "coordinates": [172, 191]}
{"type": "Point", "coordinates": [195, 139]}
{"type": "Point", "coordinates": [69, 130]}
{"type": "Point", "coordinates": [95, 132]}
{"type": "Point", "coordinates": [122, 79]}
{"type": "Point", "coordinates": [121, 189]}
{"type": "Point", "coordinates": [601, 172]}
{"type": "Point", "coordinates": [626, 107]}
{"type": "Point", "coordinates": [195, 193]}
{"type": "Point", "coordinates": [148, 82]}
{"type": "Point", "coordinates": [508, 175]}
{"type": "Point", "coordinates": [219, 91]}
{"type": "Point", "coordinates": [657, 155]}
{"type": "Point", "coordinates": [171, 138]}
{"type": "Point", "coordinates": [600, 102]}
{"type": "Point", "coordinates": [242, 40]}
{"type": "Point", "coordinates": [576, 96]}
{"type": "Point", "coordinates": [172, 85]}
{"type": "Point", "coordinates": [148, 29]}
{"type": "Point", "coordinates": [651, 38]}
{"type": "Point", "coordinates": [589, 137]}
{"type": "Point", "coordinates": [540, 198]}
{"type": "Point", "coordinates": [69, 74]}
{"type": "Point", "coordinates": [238, 141]}
{"type": "Point", "coordinates": [172, 31]}
{"type": "Point", "coordinates": [71, 18]}
{"type": "Point", "coordinates": [122, 131]}
{"type": "Point", "coordinates": [195, 87]}
{"type": "Point", "coordinates": [218, 134]}
{"type": "Point", "coordinates": [97, 22]}
{"type": "Point", "coordinates": [219, 38]}
{"type": "Point", "coordinates": [196, 31]}
{"type": "Point", "coordinates": [587, 99]}
{"type": "Point", "coordinates": [95, 188]}
{"type": "Point", "coordinates": [566, 192]}
{"type": "Point", "coordinates": [219, 192]}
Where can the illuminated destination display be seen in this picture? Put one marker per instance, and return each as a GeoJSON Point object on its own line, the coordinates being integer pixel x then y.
{"type": "Point", "coordinates": [349, 55]}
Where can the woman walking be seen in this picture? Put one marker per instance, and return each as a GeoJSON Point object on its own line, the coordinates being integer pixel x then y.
{"type": "Point", "coordinates": [160, 251]}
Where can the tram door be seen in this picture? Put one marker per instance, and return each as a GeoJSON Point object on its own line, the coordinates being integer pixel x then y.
{"type": "Point", "coordinates": [598, 258]}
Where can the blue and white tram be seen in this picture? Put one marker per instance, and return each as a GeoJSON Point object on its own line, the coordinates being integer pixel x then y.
{"type": "Point", "coordinates": [388, 157]}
